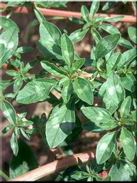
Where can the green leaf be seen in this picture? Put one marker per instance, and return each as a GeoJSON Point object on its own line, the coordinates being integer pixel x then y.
{"type": "Point", "coordinates": [14, 144]}
{"type": "Point", "coordinates": [7, 128]}
{"type": "Point", "coordinates": [76, 21]}
{"type": "Point", "coordinates": [51, 4]}
{"type": "Point", "coordinates": [107, 6]}
{"type": "Point", "coordinates": [77, 64]}
{"type": "Point", "coordinates": [89, 126]}
{"type": "Point", "coordinates": [53, 69]}
{"type": "Point", "coordinates": [127, 57]}
{"type": "Point", "coordinates": [128, 143]}
{"type": "Point", "coordinates": [133, 116]}
{"type": "Point", "coordinates": [113, 19]}
{"type": "Point", "coordinates": [23, 162]}
{"type": "Point", "coordinates": [107, 44]}
{"type": "Point", "coordinates": [17, 84]}
{"type": "Point", "coordinates": [39, 16]}
{"type": "Point", "coordinates": [67, 49]}
{"type": "Point", "coordinates": [35, 90]}
{"type": "Point", "coordinates": [83, 89]}
{"type": "Point", "coordinates": [100, 116]}
{"type": "Point", "coordinates": [8, 39]}
{"type": "Point", "coordinates": [59, 125]}
{"type": "Point", "coordinates": [49, 41]}
{"type": "Point", "coordinates": [67, 90]}
{"type": "Point", "coordinates": [94, 7]}
{"type": "Point", "coordinates": [12, 73]}
{"type": "Point", "coordinates": [79, 175]}
{"type": "Point", "coordinates": [24, 49]}
{"type": "Point", "coordinates": [112, 62]}
{"type": "Point", "coordinates": [125, 107]}
{"type": "Point", "coordinates": [85, 13]}
{"type": "Point", "coordinates": [17, 63]}
{"type": "Point", "coordinates": [109, 28]}
{"type": "Point", "coordinates": [112, 92]}
{"type": "Point", "coordinates": [122, 171]}
{"type": "Point", "coordinates": [78, 35]}
{"type": "Point", "coordinates": [3, 85]}
{"type": "Point", "coordinates": [125, 43]}
{"type": "Point", "coordinates": [132, 32]}
{"type": "Point", "coordinates": [8, 111]}
{"type": "Point", "coordinates": [105, 147]}
{"type": "Point", "coordinates": [128, 82]}
{"type": "Point", "coordinates": [96, 36]}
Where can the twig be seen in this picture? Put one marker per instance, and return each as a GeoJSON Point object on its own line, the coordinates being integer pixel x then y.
{"type": "Point", "coordinates": [55, 167]}
{"type": "Point", "coordinates": [67, 14]}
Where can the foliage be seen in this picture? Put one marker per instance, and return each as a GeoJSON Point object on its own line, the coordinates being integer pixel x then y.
{"type": "Point", "coordinates": [111, 80]}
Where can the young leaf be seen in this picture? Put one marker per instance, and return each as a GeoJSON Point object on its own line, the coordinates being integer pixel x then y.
{"type": "Point", "coordinates": [23, 162]}
{"type": "Point", "coordinates": [53, 69]}
{"type": "Point", "coordinates": [8, 111]}
{"type": "Point", "coordinates": [96, 36]}
{"type": "Point", "coordinates": [107, 44]}
{"type": "Point", "coordinates": [109, 28]}
{"type": "Point", "coordinates": [125, 107]}
{"type": "Point", "coordinates": [112, 92]}
{"type": "Point", "coordinates": [59, 125]}
{"type": "Point", "coordinates": [128, 143]}
{"type": "Point", "coordinates": [17, 84]}
{"type": "Point", "coordinates": [132, 32]}
{"type": "Point", "coordinates": [85, 13]}
{"type": "Point", "coordinates": [84, 90]}
{"type": "Point", "coordinates": [14, 144]}
{"type": "Point", "coordinates": [100, 116]}
{"type": "Point", "coordinates": [77, 64]}
{"type": "Point", "coordinates": [105, 147]}
{"type": "Point", "coordinates": [67, 49]}
{"type": "Point", "coordinates": [78, 35]}
{"type": "Point", "coordinates": [107, 6]}
{"type": "Point", "coordinates": [94, 7]}
{"type": "Point", "coordinates": [35, 90]}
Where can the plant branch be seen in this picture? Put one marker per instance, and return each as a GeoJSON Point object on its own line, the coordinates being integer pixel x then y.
{"type": "Point", "coordinates": [67, 14]}
{"type": "Point", "coordinates": [55, 166]}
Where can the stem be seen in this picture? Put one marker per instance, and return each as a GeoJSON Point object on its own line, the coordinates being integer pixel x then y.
{"type": "Point", "coordinates": [66, 14]}
{"type": "Point", "coordinates": [55, 166]}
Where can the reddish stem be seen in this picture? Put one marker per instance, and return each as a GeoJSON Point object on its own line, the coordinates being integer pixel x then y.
{"type": "Point", "coordinates": [55, 166]}
{"type": "Point", "coordinates": [67, 14]}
